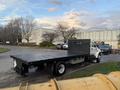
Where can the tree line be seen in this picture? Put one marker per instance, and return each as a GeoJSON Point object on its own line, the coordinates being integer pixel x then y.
{"type": "Point", "coordinates": [21, 28]}
{"type": "Point", "coordinates": [17, 29]}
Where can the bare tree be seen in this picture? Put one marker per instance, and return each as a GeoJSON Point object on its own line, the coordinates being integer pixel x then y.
{"type": "Point", "coordinates": [66, 32]}
{"type": "Point", "coordinates": [11, 32]}
{"type": "Point", "coordinates": [1, 33]}
{"type": "Point", "coordinates": [118, 37]}
{"type": "Point", "coordinates": [49, 36]}
{"type": "Point", "coordinates": [27, 27]}
{"type": "Point", "coordinates": [17, 29]}
{"type": "Point", "coordinates": [17, 26]}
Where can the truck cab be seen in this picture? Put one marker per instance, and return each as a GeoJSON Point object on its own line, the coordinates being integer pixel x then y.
{"type": "Point", "coordinates": [94, 50]}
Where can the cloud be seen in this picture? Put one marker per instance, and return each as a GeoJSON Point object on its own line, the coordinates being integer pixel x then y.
{"type": "Point", "coordinates": [52, 9]}
{"type": "Point", "coordinates": [69, 18]}
{"type": "Point", "coordinates": [97, 21]}
{"type": "Point", "coordinates": [11, 3]}
{"type": "Point", "coordinates": [72, 18]}
{"type": "Point", "coordinates": [14, 5]}
{"type": "Point", "coordinates": [4, 20]}
{"type": "Point", "coordinates": [90, 20]}
{"type": "Point", "coordinates": [46, 22]}
{"type": "Point", "coordinates": [56, 2]}
{"type": "Point", "coordinates": [2, 7]}
{"type": "Point", "coordinates": [81, 19]}
{"type": "Point", "coordinates": [72, 14]}
{"type": "Point", "coordinates": [112, 22]}
{"type": "Point", "coordinates": [92, 1]}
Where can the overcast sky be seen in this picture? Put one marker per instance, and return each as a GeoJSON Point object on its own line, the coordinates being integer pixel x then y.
{"type": "Point", "coordinates": [78, 13]}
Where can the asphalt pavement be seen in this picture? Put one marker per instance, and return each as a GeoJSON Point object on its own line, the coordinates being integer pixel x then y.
{"type": "Point", "coordinates": [9, 78]}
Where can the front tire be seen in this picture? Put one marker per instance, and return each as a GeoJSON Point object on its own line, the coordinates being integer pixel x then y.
{"type": "Point", "coordinates": [98, 59]}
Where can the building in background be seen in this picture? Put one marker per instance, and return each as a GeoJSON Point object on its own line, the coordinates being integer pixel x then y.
{"type": "Point", "coordinates": [107, 36]}
{"type": "Point", "coordinates": [36, 36]}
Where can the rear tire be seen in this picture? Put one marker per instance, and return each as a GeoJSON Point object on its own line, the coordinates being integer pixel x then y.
{"type": "Point", "coordinates": [59, 68]}
{"type": "Point", "coordinates": [25, 70]}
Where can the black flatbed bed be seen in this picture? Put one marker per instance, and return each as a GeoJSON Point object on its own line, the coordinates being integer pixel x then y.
{"type": "Point", "coordinates": [41, 57]}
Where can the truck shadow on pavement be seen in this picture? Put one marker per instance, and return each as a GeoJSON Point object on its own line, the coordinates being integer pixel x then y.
{"type": "Point", "coordinates": [12, 79]}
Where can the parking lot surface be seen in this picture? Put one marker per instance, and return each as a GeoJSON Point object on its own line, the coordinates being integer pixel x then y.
{"type": "Point", "coordinates": [9, 78]}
